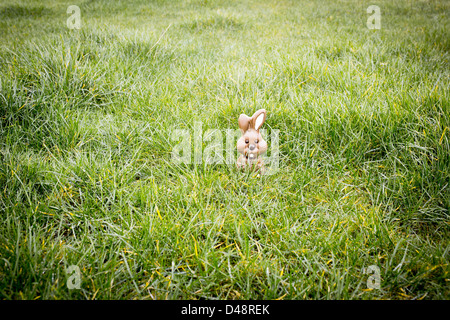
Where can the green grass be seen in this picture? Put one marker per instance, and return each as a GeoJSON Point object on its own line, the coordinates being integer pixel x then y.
{"type": "Point", "coordinates": [87, 179]}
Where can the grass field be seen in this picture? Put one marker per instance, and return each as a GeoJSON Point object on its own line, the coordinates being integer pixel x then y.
{"type": "Point", "coordinates": [87, 178]}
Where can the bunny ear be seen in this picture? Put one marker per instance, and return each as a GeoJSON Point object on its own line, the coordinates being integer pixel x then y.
{"type": "Point", "coordinates": [244, 122]}
{"type": "Point", "coordinates": [258, 118]}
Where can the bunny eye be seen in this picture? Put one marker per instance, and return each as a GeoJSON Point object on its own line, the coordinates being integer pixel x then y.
{"type": "Point", "coordinates": [246, 141]}
{"type": "Point", "coordinates": [256, 141]}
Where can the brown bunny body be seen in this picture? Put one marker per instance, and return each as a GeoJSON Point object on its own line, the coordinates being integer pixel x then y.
{"type": "Point", "coordinates": [251, 145]}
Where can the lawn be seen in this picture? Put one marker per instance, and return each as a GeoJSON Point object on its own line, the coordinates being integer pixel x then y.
{"type": "Point", "coordinates": [93, 204]}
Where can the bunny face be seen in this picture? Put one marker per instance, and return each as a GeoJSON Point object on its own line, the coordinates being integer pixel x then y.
{"type": "Point", "coordinates": [251, 144]}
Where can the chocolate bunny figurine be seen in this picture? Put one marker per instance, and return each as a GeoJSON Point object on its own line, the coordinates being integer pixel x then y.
{"type": "Point", "coordinates": [251, 145]}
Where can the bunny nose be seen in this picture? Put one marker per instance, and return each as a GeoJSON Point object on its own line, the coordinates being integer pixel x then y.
{"type": "Point", "coordinates": [252, 147]}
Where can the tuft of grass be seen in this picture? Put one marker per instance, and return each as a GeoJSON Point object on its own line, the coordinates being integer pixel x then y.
{"type": "Point", "coordinates": [87, 177]}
